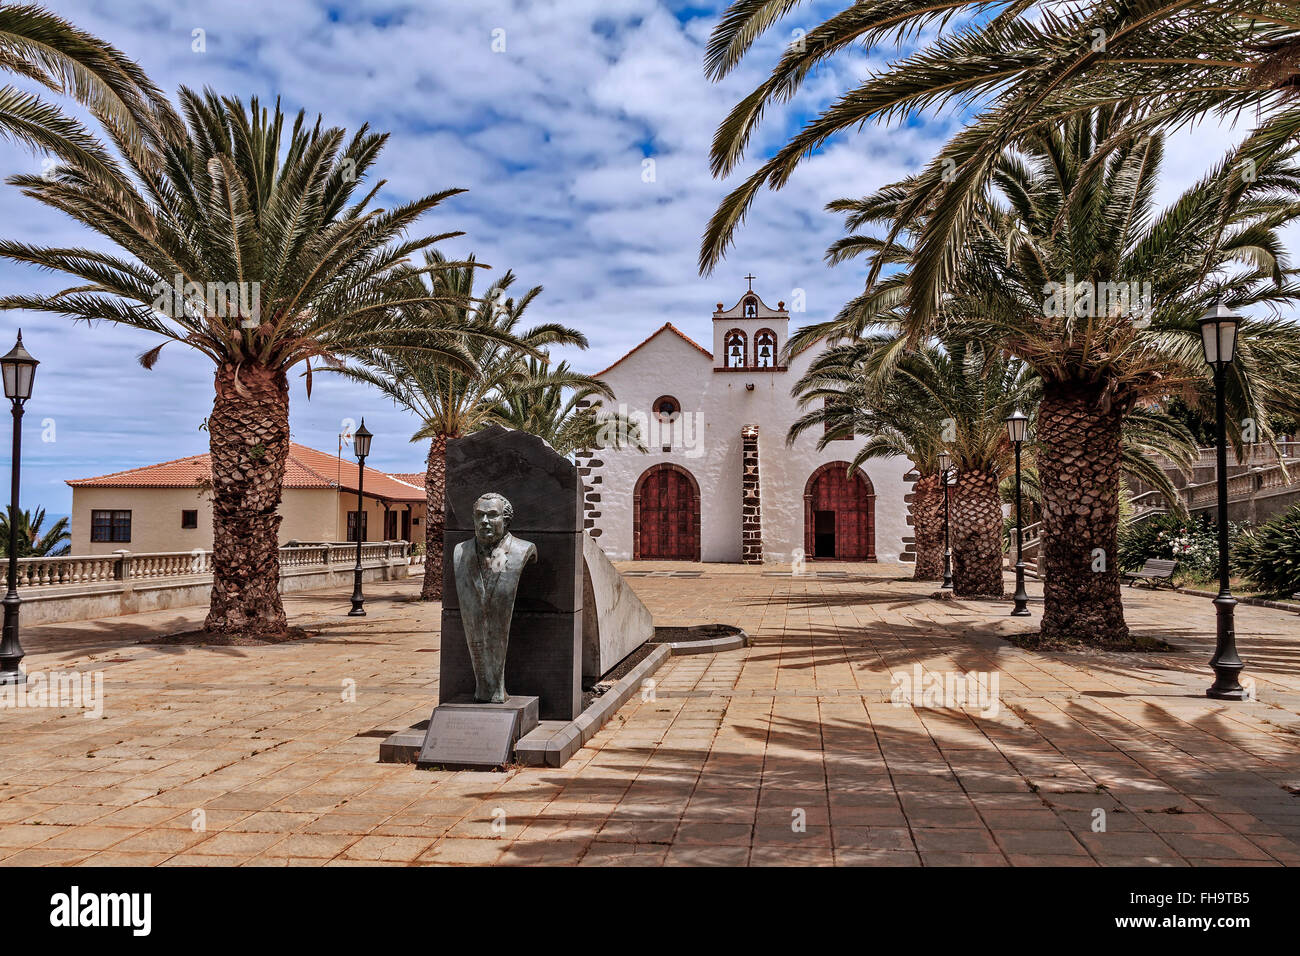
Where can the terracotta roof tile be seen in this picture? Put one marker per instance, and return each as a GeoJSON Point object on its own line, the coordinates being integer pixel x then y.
{"type": "Point", "coordinates": [305, 468]}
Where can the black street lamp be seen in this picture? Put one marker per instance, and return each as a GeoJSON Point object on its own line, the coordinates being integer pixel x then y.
{"type": "Point", "coordinates": [945, 460]}
{"type": "Point", "coordinates": [1016, 424]}
{"type": "Point", "coordinates": [361, 445]}
{"type": "Point", "coordinates": [19, 371]}
{"type": "Point", "coordinates": [1219, 338]}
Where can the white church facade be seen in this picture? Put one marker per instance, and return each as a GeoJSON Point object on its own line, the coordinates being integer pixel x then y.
{"type": "Point", "coordinates": [720, 483]}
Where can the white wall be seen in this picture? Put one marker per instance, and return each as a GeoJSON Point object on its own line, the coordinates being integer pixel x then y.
{"type": "Point", "coordinates": [669, 365]}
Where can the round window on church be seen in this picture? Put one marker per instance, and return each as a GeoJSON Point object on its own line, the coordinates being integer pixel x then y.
{"type": "Point", "coordinates": [667, 408]}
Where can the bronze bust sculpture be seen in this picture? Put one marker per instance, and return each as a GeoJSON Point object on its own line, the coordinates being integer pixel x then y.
{"type": "Point", "coordinates": [487, 573]}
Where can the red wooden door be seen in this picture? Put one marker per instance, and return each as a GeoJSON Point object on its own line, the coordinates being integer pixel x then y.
{"type": "Point", "coordinates": [853, 502]}
{"type": "Point", "coordinates": [669, 526]}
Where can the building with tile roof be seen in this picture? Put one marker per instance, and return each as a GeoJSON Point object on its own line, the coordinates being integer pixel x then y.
{"type": "Point", "coordinates": [168, 507]}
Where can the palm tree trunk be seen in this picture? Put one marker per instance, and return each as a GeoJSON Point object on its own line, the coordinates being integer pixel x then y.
{"type": "Point", "coordinates": [976, 535]}
{"type": "Point", "coordinates": [927, 525]}
{"type": "Point", "coordinates": [435, 522]}
{"type": "Point", "coordinates": [249, 443]}
{"type": "Point", "coordinates": [1079, 470]}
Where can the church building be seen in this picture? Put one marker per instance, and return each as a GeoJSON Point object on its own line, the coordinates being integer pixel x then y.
{"type": "Point", "coordinates": [720, 483]}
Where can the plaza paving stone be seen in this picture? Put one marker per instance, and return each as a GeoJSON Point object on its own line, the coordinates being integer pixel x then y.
{"type": "Point", "coordinates": [788, 752]}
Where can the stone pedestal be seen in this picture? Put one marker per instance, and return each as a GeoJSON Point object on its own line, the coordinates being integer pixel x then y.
{"type": "Point", "coordinates": [465, 735]}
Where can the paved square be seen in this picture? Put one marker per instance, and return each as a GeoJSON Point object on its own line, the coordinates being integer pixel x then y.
{"type": "Point", "coordinates": [787, 752]}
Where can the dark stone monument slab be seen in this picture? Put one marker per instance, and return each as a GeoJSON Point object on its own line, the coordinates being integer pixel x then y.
{"type": "Point", "coordinates": [544, 650]}
{"type": "Point", "coordinates": [519, 597]}
{"type": "Point", "coordinates": [468, 735]}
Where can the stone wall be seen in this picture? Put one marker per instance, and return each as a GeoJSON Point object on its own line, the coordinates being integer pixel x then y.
{"type": "Point", "coordinates": [751, 501]}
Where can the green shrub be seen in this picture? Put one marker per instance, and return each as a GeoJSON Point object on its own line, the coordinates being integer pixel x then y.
{"type": "Point", "coordinates": [1139, 540]}
{"type": "Point", "coordinates": [1192, 542]}
{"type": "Point", "coordinates": [1269, 556]}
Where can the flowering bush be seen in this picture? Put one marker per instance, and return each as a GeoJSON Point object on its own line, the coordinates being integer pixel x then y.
{"type": "Point", "coordinates": [1198, 553]}
{"type": "Point", "coordinates": [1193, 543]}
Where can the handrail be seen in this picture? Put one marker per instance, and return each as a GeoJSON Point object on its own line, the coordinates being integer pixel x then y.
{"type": "Point", "coordinates": [1243, 485]}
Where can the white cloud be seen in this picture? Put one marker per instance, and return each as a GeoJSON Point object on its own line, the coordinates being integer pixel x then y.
{"type": "Point", "coordinates": [548, 136]}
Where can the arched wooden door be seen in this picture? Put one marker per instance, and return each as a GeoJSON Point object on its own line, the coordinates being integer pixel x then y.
{"type": "Point", "coordinates": [666, 515]}
{"type": "Point", "coordinates": [839, 514]}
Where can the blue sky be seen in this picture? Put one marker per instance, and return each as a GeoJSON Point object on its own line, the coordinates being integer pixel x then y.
{"type": "Point", "coordinates": [548, 135]}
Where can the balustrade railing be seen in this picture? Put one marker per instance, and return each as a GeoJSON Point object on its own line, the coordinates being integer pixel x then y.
{"type": "Point", "coordinates": [1240, 486]}
{"type": "Point", "coordinates": [1257, 453]}
{"type": "Point", "coordinates": [51, 572]}
{"type": "Point", "coordinates": [1033, 539]}
{"type": "Point", "coordinates": [80, 570]}
{"type": "Point", "coordinates": [1259, 480]}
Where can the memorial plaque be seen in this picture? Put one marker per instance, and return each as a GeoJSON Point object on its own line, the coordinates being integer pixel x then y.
{"type": "Point", "coordinates": [476, 736]}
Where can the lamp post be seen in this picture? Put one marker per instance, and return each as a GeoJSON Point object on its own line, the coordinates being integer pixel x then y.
{"type": "Point", "coordinates": [361, 445]}
{"type": "Point", "coordinates": [1016, 423]}
{"type": "Point", "coordinates": [19, 371]}
{"type": "Point", "coordinates": [945, 460]}
{"type": "Point", "coordinates": [1219, 339]}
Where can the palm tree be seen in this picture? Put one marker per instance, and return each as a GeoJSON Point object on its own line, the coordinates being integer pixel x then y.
{"type": "Point", "coordinates": [38, 45]}
{"type": "Point", "coordinates": [903, 420]}
{"type": "Point", "coordinates": [948, 395]}
{"type": "Point", "coordinates": [564, 408]}
{"type": "Point", "coordinates": [1070, 268]}
{"type": "Point", "coordinates": [249, 246]}
{"type": "Point", "coordinates": [1151, 441]}
{"type": "Point", "coordinates": [1028, 65]}
{"type": "Point", "coordinates": [451, 401]}
{"type": "Point", "coordinates": [913, 414]}
{"type": "Point", "coordinates": [33, 542]}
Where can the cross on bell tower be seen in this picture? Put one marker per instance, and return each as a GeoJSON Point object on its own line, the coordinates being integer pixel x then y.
{"type": "Point", "coordinates": [750, 279]}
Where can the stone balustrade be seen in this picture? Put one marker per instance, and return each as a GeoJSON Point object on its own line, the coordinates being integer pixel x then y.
{"type": "Point", "coordinates": [69, 571]}
{"type": "Point", "coordinates": [1245, 491]}
{"type": "Point", "coordinates": [73, 571]}
{"type": "Point", "coordinates": [1033, 542]}
{"type": "Point", "coordinates": [79, 587]}
{"type": "Point", "coordinates": [1255, 454]}
{"type": "Point", "coordinates": [1256, 492]}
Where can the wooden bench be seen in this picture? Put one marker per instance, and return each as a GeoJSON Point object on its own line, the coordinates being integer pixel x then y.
{"type": "Point", "coordinates": [1153, 572]}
